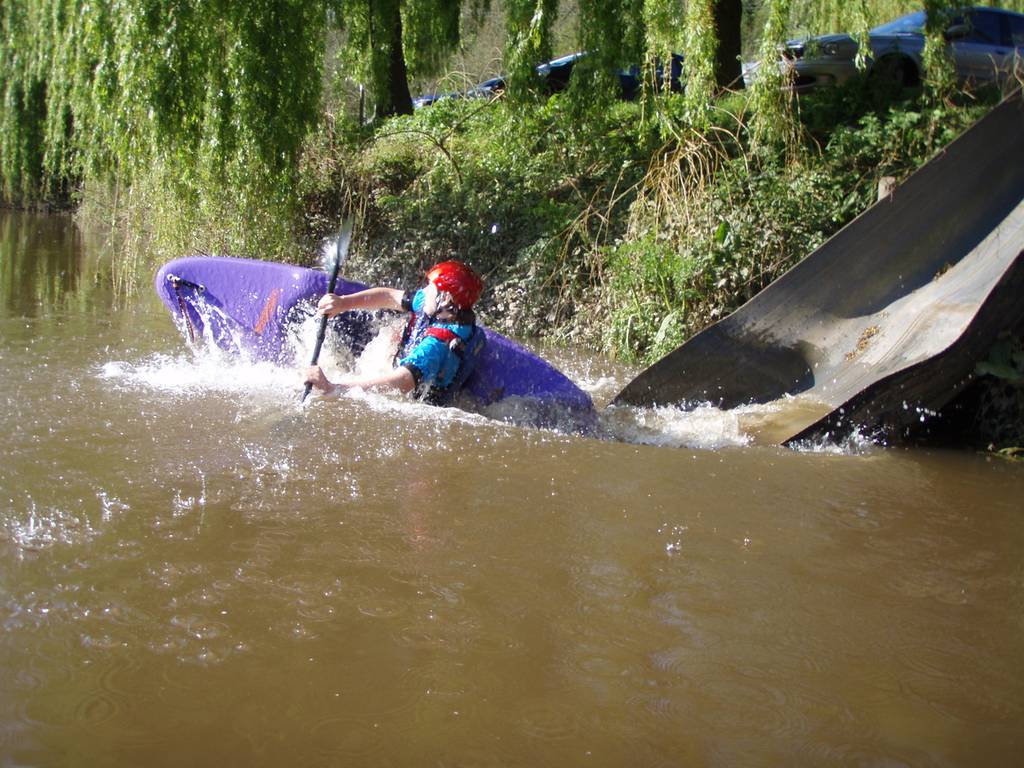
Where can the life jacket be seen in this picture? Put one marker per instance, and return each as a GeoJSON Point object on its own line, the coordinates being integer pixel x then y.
{"type": "Point", "coordinates": [465, 353]}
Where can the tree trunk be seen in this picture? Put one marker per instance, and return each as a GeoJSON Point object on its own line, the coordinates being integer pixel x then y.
{"type": "Point", "coordinates": [729, 20]}
{"type": "Point", "coordinates": [394, 97]}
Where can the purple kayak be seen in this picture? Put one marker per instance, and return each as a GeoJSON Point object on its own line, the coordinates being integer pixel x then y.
{"type": "Point", "coordinates": [247, 306]}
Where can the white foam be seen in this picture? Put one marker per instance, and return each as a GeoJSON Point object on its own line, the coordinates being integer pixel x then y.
{"type": "Point", "coordinates": [44, 527]}
{"type": "Point", "coordinates": [205, 368]}
{"type": "Point", "coordinates": [704, 427]}
{"type": "Point", "coordinates": [854, 444]}
{"type": "Point", "coordinates": [201, 373]}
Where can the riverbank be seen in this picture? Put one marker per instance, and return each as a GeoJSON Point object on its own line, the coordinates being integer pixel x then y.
{"type": "Point", "coordinates": [619, 227]}
{"type": "Point", "coordinates": [604, 237]}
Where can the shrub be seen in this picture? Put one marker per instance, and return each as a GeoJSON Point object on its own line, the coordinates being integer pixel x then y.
{"type": "Point", "coordinates": [715, 223]}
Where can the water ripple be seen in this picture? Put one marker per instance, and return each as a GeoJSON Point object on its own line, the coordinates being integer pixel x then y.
{"type": "Point", "coordinates": [547, 721]}
{"type": "Point", "coordinates": [348, 740]}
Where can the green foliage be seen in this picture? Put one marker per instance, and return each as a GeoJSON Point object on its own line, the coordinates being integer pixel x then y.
{"type": "Point", "coordinates": [714, 223]}
{"type": "Point", "coordinates": [198, 125]}
{"type": "Point", "coordinates": [214, 99]}
{"type": "Point", "coordinates": [520, 193]}
{"type": "Point", "coordinates": [597, 231]}
{"type": "Point", "coordinates": [529, 24]}
{"type": "Point", "coordinates": [613, 34]}
{"type": "Point", "coordinates": [432, 31]}
{"type": "Point", "coordinates": [701, 45]}
{"type": "Point", "coordinates": [860, 25]}
{"type": "Point", "coordinates": [661, 28]}
{"type": "Point", "coordinates": [772, 121]}
{"type": "Point", "coordinates": [360, 57]}
{"type": "Point", "coordinates": [940, 73]}
{"type": "Point", "coordinates": [816, 17]}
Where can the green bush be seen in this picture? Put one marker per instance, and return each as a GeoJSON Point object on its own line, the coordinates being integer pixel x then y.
{"type": "Point", "coordinates": [520, 193]}
{"type": "Point", "coordinates": [618, 225]}
{"type": "Point", "coordinates": [749, 215]}
{"type": "Point", "coordinates": [625, 226]}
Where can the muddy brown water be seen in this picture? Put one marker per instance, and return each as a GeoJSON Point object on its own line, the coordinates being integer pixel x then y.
{"type": "Point", "coordinates": [196, 571]}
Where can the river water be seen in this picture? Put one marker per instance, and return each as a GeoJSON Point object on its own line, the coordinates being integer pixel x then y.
{"type": "Point", "coordinates": [194, 570]}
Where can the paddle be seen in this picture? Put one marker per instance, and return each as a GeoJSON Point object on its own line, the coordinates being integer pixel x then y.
{"type": "Point", "coordinates": [341, 244]}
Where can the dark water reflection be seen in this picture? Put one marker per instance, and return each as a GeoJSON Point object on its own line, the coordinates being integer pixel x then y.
{"type": "Point", "coordinates": [42, 264]}
{"type": "Point", "coordinates": [193, 570]}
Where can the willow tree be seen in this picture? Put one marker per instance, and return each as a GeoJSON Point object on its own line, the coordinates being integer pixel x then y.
{"type": "Point", "coordinates": [939, 71]}
{"type": "Point", "coordinates": [617, 34]}
{"type": "Point", "coordinates": [374, 52]}
{"type": "Point", "coordinates": [22, 110]}
{"type": "Point", "coordinates": [529, 24]}
{"type": "Point", "coordinates": [228, 88]}
{"type": "Point", "coordinates": [110, 87]}
{"type": "Point", "coordinates": [390, 42]}
{"type": "Point", "coordinates": [702, 53]}
{"type": "Point", "coordinates": [713, 46]}
{"type": "Point", "coordinates": [772, 119]}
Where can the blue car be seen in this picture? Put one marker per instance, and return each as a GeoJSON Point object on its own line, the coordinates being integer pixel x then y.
{"type": "Point", "coordinates": [987, 46]}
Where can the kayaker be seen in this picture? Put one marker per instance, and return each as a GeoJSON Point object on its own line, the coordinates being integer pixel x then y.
{"type": "Point", "coordinates": [440, 344]}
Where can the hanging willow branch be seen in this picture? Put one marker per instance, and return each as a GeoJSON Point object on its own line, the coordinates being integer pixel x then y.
{"type": "Point", "coordinates": [529, 40]}
{"type": "Point", "coordinates": [773, 121]}
{"type": "Point", "coordinates": [940, 73]}
{"type": "Point", "coordinates": [701, 55]}
{"type": "Point", "coordinates": [103, 88]}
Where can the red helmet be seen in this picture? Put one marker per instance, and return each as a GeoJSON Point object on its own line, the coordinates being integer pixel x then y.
{"type": "Point", "coordinates": [459, 280]}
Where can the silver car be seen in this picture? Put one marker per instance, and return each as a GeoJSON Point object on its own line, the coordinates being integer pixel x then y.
{"type": "Point", "coordinates": [987, 45]}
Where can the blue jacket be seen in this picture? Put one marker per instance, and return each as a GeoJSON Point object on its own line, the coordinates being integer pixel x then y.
{"type": "Point", "coordinates": [440, 355]}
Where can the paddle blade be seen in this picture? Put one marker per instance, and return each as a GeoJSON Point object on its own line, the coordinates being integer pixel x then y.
{"type": "Point", "coordinates": [335, 251]}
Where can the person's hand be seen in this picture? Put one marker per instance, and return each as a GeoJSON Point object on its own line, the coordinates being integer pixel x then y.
{"type": "Point", "coordinates": [314, 375]}
{"type": "Point", "coordinates": [330, 304]}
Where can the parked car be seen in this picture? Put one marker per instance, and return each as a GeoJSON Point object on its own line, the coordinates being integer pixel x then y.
{"type": "Point", "coordinates": [986, 43]}
{"type": "Point", "coordinates": [554, 77]}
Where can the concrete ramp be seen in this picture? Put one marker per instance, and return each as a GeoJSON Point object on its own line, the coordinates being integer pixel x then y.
{"type": "Point", "coordinates": [884, 323]}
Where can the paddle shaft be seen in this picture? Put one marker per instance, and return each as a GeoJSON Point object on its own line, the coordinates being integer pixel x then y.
{"type": "Point", "coordinates": [322, 331]}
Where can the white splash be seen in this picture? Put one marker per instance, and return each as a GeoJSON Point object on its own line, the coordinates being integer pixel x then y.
{"type": "Point", "coordinates": [704, 427]}
{"type": "Point", "coordinates": [207, 369]}
{"type": "Point", "coordinates": [206, 372]}
{"type": "Point", "coordinates": [44, 527]}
